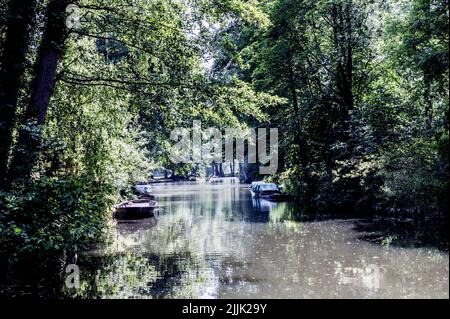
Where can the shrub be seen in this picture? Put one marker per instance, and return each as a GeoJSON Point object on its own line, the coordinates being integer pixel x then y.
{"type": "Point", "coordinates": [51, 215]}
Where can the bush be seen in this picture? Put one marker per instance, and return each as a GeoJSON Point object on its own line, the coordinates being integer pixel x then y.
{"type": "Point", "coordinates": [416, 175]}
{"type": "Point", "coordinates": [52, 216]}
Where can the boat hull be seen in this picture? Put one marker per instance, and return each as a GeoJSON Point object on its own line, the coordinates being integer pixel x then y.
{"type": "Point", "coordinates": [135, 210]}
{"type": "Point", "coordinates": [275, 197]}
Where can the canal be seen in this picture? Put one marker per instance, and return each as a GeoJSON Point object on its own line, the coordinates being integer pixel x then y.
{"type": "Point", "coordinates": [212, 240]}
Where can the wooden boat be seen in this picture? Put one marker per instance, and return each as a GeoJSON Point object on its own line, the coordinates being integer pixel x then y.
{"type": "Point", "coordinates": [224, 180]}
{"type": "Point", "coordinates": [136, 209]}
{"type": "Point", "coordinates": [253, 187]}
{"type": "Point", "coordinates": [275, 197]}
{"type": "Point", "coordinates": [268, 191]}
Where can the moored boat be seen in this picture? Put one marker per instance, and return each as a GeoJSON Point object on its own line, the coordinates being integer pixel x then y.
{"type": "Point", "coordinates": [268, 191]}
{"type": "Point", "coordinates": [253, 187]}
{"type": "Point", "coordinates": [275, 197]}
{"type": "Point", "coordinates": [136, 209]}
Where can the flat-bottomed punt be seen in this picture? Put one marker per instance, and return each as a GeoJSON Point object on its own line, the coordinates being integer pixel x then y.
{"type": "Point", "coordinates": [136, 209]}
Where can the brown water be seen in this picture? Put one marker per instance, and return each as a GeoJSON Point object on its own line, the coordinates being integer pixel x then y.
{"type": "Point", "coordinates": [214, 241]}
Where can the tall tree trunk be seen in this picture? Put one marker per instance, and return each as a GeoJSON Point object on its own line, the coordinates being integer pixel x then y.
{"type": "Point", "coordinates": [348, 83]}
{"type": "Point", "coordinates": [343, 42]}
{"type": "Point", "coordinates": [428, 102]}
{"type": "Point", "coordinates": [299, 138]}
{"type": "Point", "coordinates": [232, 168]}
{"type": "Point", "coordinates": [243, 172]}
{"type": "Point", "coordinates": [50, 53]}
{"type": "Point", "coordinates": [216, 169]}
{"type": "Point", "coordinates": [328, 139]}
{"type": "Point", "coordinates": [19, 25]}
{"type": "Point", "coordinates": [221, 174]}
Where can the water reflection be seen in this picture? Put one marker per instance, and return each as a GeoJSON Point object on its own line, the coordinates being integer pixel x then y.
{"type": "Point", "coordinates": [215, 241]}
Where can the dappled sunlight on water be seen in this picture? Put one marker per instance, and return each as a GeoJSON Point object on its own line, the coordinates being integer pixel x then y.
{"type": "Point", "coordinates": [214, 241]}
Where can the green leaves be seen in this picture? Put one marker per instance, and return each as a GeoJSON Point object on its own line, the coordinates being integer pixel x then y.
{"type": "Point", "coordinates": [348, 83]}
{"type": "Point", "coordinates": [57, 215]}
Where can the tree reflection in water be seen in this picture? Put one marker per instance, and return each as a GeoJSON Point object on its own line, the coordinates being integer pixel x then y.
{"type": "Point", "coordinates": [215, 241]}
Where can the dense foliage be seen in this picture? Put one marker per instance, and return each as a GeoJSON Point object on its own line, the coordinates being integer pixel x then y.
{"type": "Point", "coordinates": [89, 96]}
{"type": "Point", "coordinates": [366, 123]}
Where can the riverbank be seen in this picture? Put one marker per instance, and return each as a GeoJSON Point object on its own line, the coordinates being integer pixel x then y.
{"type": "Point", "coordinates": [406, 232]}
{"type": "Point", "coordinates": [213, 240]}
{"type": "Point", "coordinates": [216, 241]}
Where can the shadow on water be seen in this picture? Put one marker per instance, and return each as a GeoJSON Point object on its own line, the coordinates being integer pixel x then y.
{"type": "Point", "coordinates": [432, 233]}
{"type": "Point", "coordinates": [124, 274]}
{"type": "Point", "coordinates": [214, 240]}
